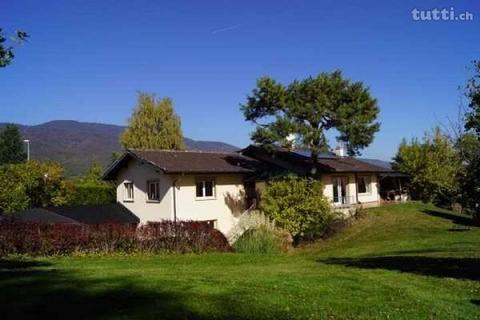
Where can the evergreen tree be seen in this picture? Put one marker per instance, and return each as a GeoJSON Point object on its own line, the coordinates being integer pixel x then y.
{"type": "Point", "coordinates": [11, 145]}
{"type": "Point", "coordinates": [153, 125]}
{"type": "Point", "coordinates": [308, 108]}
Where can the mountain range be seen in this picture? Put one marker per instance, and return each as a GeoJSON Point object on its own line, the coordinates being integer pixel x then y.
{"type": "Point", "coordinates": [75, 145]}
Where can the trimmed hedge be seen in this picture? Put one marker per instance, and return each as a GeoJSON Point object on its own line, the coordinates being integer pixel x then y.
{"type": "Point", "coordinates": [91, 194]}
{"type": "Point", "coordinates": [62, 239]}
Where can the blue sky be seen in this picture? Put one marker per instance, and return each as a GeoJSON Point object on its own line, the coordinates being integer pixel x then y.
{"type": "Point", "coordinates": [86, 60]}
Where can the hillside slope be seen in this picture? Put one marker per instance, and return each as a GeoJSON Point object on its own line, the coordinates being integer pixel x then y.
{"type": "Point", "coordinates": [408, 261]}
{"type": "Point", "coordinates": [76, 144]}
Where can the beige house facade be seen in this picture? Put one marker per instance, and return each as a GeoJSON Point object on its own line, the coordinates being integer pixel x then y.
{"type": "Point", "coordinates": [218, 187]}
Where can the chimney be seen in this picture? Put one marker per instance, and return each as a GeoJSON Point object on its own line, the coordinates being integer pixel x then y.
{"type": "Point", "coordinates": [341, 150]}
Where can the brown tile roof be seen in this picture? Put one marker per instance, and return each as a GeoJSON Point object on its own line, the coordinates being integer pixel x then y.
{"type": "Point", "coordinates": [175, 162]}
{"type": "Point", "coordinates": [301, 163]}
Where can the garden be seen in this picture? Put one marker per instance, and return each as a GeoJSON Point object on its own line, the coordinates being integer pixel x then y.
{"type": "Point", "coordinates": [406, 261]}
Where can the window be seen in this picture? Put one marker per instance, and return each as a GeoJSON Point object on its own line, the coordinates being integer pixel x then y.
{"type": "Point", "coordinates": [153, 190]}
{"type": "Point", "coordinates": [128, 193]}
{"type": "Point", "coordinates": [205, 188]}
{"type": "Point", "coordinates": [363, 184]}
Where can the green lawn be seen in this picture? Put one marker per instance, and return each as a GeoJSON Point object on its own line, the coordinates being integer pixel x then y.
{"type": "Point", "coordinates": [408, 261]}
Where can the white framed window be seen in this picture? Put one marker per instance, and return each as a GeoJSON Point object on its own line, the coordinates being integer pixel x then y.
{"type": "Point", "coordinates": [128, 193]}
{"type": "Point", "coordinates": [205, 189]}
{"type": "Point", "coordinates": [364, 184]}
{"type": "Point", "coordinates": [153, 190]}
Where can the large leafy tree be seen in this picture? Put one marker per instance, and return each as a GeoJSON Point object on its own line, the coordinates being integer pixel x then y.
{"type": "Point", "coordinates": [11, 145]}
{"type": "Point", "coordinates": [153, 125]}
{"type": "Point", "coordinates": [473, 94]}
{"type": "Point", "coordinates": [33, 184]}
{"type": "Point", "coordinates": [433, 165]}
{"type": "Point", "coordinates": [470, 143]}
{"type": "Point", "coordinates": [308, 108]}
{"type": "Point", "coordinates": [6, 49]}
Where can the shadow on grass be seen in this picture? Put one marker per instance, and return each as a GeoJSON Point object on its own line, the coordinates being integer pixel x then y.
{"type": "Point", "coordinates": [460, 220]}
{"type": "Point", "coordinates": [34, 290]}
{"type": "Point", "coordinates": [460, 268]}
{"type": "Point", "coordinates": [19, 264]}
{"type": "Point", "coordinates": [474, 301]}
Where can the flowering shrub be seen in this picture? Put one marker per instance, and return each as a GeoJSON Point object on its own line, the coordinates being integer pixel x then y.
{"type": "Point", "coordinates": [59, 239]}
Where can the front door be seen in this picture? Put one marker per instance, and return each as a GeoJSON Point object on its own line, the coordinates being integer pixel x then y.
{"type": "Point", "coordinates": [340, 190]}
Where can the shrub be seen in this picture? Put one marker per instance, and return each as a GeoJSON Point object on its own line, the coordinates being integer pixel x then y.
{"type": "Point", "coordinates": [262, 240]}
{"type": "Point", "coordinates": [297, 205]}
{"type": "Point", "coordinates": [182, 236]}
{"type": "Point", "coordinates": [92, 194]}
{"type": "Point", "coordinates": [91, 189]}
{"type": "Point", "coordinates": [60, 239]}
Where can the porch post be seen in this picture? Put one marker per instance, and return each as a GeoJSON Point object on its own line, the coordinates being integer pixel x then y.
{"type": "Point", "coordinates": [356, 188]}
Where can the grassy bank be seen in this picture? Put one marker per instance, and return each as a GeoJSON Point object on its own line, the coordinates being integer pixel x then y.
{"type": "Point", "coordinates": [410, 261]}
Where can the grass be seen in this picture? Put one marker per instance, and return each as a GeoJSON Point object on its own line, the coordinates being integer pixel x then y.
{"type": "Point", "coordinates": [409, 261]}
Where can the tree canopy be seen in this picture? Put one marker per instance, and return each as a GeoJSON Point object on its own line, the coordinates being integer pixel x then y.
{"type": "Point", "coordinates": [473, 94]}
{"type": "Point", "coordinates": [434, 166]}
{"type": "Point", "coordinates": [470, 146]}
{"type": "Point", "coordinates": [153, 125]}
{"type": "Point", "coordinates": [33, 184]}
{"type": "Point", "coordinates": [308, 108]}
{"type": "Point", "coordinates": [11, 145]}
{"type": "Point", "coordinates": [6, 50]}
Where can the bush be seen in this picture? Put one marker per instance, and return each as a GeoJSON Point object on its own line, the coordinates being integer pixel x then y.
{"type": "Point", "coordinates": [181, 236]}
{"type": "Point", "coordinates": [91, 189]}
{"type": "Point", "coordinates": [92, 194]}
{"type": "Point", "coordinates": [61, 239]}
{"type": "Point", "coordinates": [297, 205]}
{"type": "Point", "coordinates": [262, 240]}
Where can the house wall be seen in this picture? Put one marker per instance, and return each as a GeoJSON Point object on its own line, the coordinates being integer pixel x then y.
{"type": "Point", "coordinates": [139, 173]}
{"type": "Point", "coordinates": [372, 196]}
{"type": "Point", "coordinates": [225, 207]}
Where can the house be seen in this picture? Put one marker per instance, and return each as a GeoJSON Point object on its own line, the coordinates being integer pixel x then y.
{"type": "Point", "coordinates": [219, 186]}
{"type": "Point", "coordinates": [348, 181]}
{"type": "Point", "coordinates": [183, 185]}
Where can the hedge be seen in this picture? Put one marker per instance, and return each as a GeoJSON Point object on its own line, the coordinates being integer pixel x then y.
{"type": "Point", "coordinates": [61, 239]}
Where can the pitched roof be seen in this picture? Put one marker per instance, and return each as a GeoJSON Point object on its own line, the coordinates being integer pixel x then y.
{"type": "Point", "coordinates": [39, 215]}
{"type": "Point", "coordinates": [99, 214]}
{"type": "Point", "coordinates": [114, 213]}
{"type": "Point", "coordinates": [301, 163]}
{"type": "Point", "coordinates": [172, 162]}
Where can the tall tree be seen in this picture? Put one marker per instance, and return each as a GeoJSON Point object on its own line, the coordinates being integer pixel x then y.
{"type": "Point", "coordinates": [11, 145]}
{"type": "Point", "coordinates": [33, 184]}
{"type": "Point", "coordinates": [6, 50]}
{"type": "Point", "coordinates": [473, 94]}
{"type": "Point", "coordinates": [433, 165]}
{"type": "Point", "coordinates": [470, 181]}
{"type": "Point", "coordinates": [153, 125]}
{"type": "Point", "coordinates": [307, 109]}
